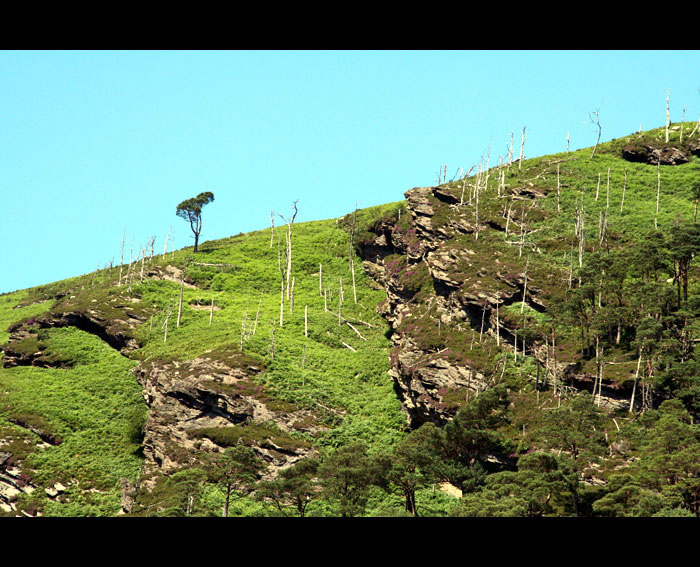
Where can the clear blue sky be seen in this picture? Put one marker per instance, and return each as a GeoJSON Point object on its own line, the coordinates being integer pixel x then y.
{"type": "Point", "coordinates": [97, 143]}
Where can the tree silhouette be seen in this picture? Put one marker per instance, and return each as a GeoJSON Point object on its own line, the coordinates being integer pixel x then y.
{"type": "Point", "coordinates": [191, 210]}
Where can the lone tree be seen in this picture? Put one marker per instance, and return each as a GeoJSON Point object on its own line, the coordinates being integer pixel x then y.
{"type": "Point", "coordinates": [191, 210]}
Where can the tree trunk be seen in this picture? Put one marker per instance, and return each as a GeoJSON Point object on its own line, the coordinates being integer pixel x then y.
{"type": "Point", "coordinates": [179, 309]}
{"type": "Point", "coordinates": [634, 387]}
{"type": "Point", "coordinates": [411, 502]}
{"type": "Point", "coordinates": [228, 498]}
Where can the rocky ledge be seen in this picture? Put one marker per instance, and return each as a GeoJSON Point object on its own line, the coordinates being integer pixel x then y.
{"type": "Point", "coordinates": [445, 289]}
{"type": "Point", "coordinates": [201, 406]}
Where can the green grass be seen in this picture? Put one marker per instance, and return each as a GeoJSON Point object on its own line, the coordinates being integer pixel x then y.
{"type": "Point", "coordinates": [94, 408]}
{"type": "Point", "coordinates": [93, 404]}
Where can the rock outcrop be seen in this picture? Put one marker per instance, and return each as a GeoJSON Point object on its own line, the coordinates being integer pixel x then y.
{"type": "Point", "coordinates": [446, 294]}
{"type": "Point", "coordinates": [199, 407]}
{"type": "Point", "coordinates": [665, 155]}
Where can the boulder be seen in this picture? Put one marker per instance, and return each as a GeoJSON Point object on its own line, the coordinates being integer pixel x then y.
{"type": "Point", "coordinates": [666, 155]}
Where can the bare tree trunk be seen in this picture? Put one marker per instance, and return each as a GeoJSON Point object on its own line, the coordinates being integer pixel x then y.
{"type": "Point", "coordinates": [306, 320]}
{"type": "Point", "coordinates": [179, 309]}
{"type": "Point", "coordinates": [257, 313]}
{"type": "Point", "coordinates": [320, 279]}
{"type": "Point", "coordinates": [668, 111]}
{"type": "Point", "coordinates": [282, 303]}
{"type": "Point", "coordinates": [165, 246]}
{"type": "Point", "coordinates": [624, 189]}
{"type": "Point", "coordinates": [682, 124]}
{"type": "Point", "coordinates": [597, 368]}
{"type": "Point", "coordinates": [121, 262]}
{"type": "Point", "coordinates": [272, 229]}
{"type": "Point", "coordinates": [476, 205]}
{"type": "Point", "coordinates": [289, 243]}
{"type": "Point", "coordinates": [352, 256]}
{"type": "Point", "coordinates": [510, 151]}
{"type": "Point", "coordinates": [658, 193]}
{"type": "Point", "coordinates": [211, 312]}
{"type": "Point", "coordinates": [289, 259]}
{"type": "Point", "coordinates": [291, 297]}
{"type": "Point", "coordinates": [522, 147]}
{"type": "Point", "coordinates": [600, 380]}
{"type": "Point", "coordinates": [522, 305]}
{"type": "Point", "coordinates": [165, 324]}
{"type": "Point", "coordinates": [595, 121]}
{"type": "Point", "coordinates": [498, 328]}
{"type": "Point", "coordinates": [636, 378]}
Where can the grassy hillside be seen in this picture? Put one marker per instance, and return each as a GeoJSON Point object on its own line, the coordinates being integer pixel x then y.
{"type": "Point", "coordinates": [72, 412]}
{"type": "Point", "coordinates": [93, 404]}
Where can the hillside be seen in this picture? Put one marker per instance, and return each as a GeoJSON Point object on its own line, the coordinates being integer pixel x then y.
{"type": "Point", "coordinates": [519, 342]}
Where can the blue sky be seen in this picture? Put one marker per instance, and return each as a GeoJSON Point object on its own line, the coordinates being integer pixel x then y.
{"type": "Point", "coordinates": [97, 143]}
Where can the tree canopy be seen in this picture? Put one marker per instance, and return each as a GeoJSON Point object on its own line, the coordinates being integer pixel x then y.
{"type": "Point", "coordinates": [191, 211]}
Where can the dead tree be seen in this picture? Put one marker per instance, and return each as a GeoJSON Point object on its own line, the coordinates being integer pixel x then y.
{"type": "Point", "coordinates": [279, 265]}
{"type": "Point", "coordinates": [668, 112]}
{"type": "Point", "coordinates": [624, 189]}
{"type": "Point", "coordinates": [289, 223]}
{"type": "Point", "coordinates": [510, 151]}
{"type": "Point", "coordinates": [682, 124]}
{"type": "Point", "coordinates": [658, 193]}
{"type": "Point", "coordinates": [522, 306]}
{"type": "Point", "coordinates": [352, 255]}
{"type": "Point", "coordinates": [179, 309]}
{"type": "Point", "coordinates": [121, 262]}
{"type": "Point", "coordinates": [165, 246]}
{"type": "Point", "coordinates": [167, 318]}
{"type": "Point", "coordinates": [522, 147]}
{"type": "Point", "coordinates": [594, 118]}
{"type": "Point", "coordinates": [257, 313]}
{"type": "Point", "coordinates": [291, 297]}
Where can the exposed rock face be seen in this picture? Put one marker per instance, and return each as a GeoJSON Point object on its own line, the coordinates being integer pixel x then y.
{"type": "Point", "coordinates": [203, 405]}
{"type": "Point", "coordinates": [444, 293]}
{"type": "Point", "coordinates": [117, 329]}
{"type": "Point", "coordinates": [654, 156]}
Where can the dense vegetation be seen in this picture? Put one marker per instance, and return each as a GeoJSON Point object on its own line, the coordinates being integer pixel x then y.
{"type": "Point", "coordinates": [622, 302]}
